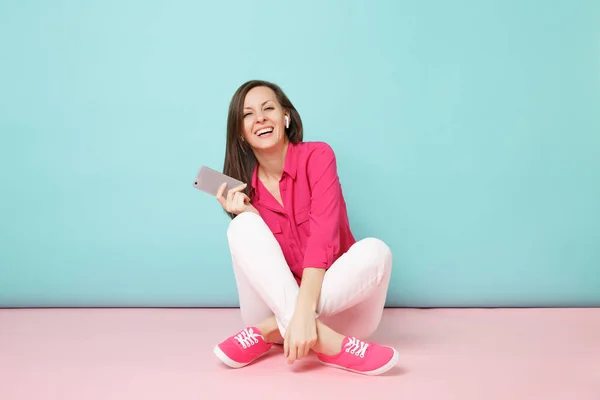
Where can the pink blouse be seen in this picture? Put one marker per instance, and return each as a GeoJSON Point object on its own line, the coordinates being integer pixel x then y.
{"type": "Point", "coordinates": [312, 227]}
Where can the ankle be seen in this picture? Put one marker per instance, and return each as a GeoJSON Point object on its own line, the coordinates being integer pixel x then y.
{"type": "Point", "coordinates": [269, 330]}
{"type": "Point", "coordinates": [329, 342]}
{"type": "Point", "coordinates": [273, 337]}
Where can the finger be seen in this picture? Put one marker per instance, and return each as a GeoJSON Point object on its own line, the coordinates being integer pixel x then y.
{"type": "Point", "coordinates": [304, 351]}
{"type": "Point", "coordinates": [230, 196]}
{"type": "Point", "coordinates": [221, 190]}
{"type": "Point", "coordinates": [299, 352]}
{"type": "Point", "coordinates": [246, 199]}
{"type": "Point", "coordinates": [239, 202]}
{"type": "Point", "coordinates": [286, 347]}
{"type": "Point", "coordinates": [289, 354]}
{"type": "Point", "coordinates": [238, 188]}
{"type": "Point", "coordinates": [220, 193]}
{"type": "Point", "coordinates": [293, 353]}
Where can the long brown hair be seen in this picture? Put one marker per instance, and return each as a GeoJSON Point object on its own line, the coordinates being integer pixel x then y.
{"type": "Point", "coordinates": [239, 157]}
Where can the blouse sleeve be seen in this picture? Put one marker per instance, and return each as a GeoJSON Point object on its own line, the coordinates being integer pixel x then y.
{"type": "Point", "coordinates": [325, 206]}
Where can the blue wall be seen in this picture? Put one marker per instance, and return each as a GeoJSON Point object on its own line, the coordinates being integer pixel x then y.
{"type": "Point", "coordinates": [467, 133]}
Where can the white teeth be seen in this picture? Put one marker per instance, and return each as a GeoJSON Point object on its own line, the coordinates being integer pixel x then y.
{"type": "Point", "coordinates": [265, 130]}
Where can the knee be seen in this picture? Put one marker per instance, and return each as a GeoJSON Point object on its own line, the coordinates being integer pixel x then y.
{"type": "Point", "coordinates": [241, 226]}
{"type": "Point", "coordinates": [379, 249]}
{"type": "Point", "coordinates": [380, 258]}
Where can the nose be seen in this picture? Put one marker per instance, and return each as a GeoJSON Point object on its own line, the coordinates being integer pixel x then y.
{"type": "Point", "coordinates": [260, 117]}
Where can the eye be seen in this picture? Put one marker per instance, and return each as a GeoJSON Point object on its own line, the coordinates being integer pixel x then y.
{"type": "Point", "coordinates": [247, 115]}
{"type": "Point", "coordinates": [270, 108]}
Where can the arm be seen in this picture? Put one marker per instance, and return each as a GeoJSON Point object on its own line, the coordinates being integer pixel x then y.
{"type": "Point", "coordinates": [320, 249]}
{"type": "Point", "coordinates": [324, 220]}
{"type": "Point", "coordinates": [310, 290]}
{"type": "Point", "coordinates": [326, 203]}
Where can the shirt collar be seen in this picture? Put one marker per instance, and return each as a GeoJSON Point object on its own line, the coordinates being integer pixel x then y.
{"type": "Point", "coordinates": [255, 178]}
{"type": "Point", "coordinates": [289, 167]}
{"type": "Point", "coordinates": [291, 163]}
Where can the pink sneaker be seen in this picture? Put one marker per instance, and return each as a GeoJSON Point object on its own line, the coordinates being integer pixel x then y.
{"type": "Point", "coordinates": [362, 357]}
{"type": "Point", "coordinates": [242, 348]}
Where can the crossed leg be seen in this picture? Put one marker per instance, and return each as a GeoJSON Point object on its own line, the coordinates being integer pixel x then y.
{"type": "Point", "coordinates": [352, 296]}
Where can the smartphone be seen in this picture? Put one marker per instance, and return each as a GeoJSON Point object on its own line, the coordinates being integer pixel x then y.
{"type": "Point", "coordinates": [209, 181]}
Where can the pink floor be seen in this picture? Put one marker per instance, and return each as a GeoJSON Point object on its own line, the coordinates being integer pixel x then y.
{"type": "Point", "coordinates": [89, 354]}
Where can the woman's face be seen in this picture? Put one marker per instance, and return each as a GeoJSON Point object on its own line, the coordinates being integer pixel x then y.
{"type": "Point", "coordinates": [264, 119]}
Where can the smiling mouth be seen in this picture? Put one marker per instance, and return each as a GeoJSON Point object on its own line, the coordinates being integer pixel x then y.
{"type": "Point", "coordinates": [264, 131]}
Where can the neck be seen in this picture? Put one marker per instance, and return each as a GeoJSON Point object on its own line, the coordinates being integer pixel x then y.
{"type": "Point", "coordinates": [271, 162]}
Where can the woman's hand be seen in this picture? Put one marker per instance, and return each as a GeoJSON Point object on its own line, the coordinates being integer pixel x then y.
{"type": "Point", "coordinates": [300, 336]}
{"type": "Point", "coordinates": [236, 201]}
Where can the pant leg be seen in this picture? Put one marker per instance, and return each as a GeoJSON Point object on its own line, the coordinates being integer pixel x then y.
{"type": "Point", "coordinates": [252, 307]}
{"type": "Point", "coordinates": [261, 271]}
{"type": "Point", "coordinates": [353, 292]}
{"type": "Point", "coordinates": [355, 289]}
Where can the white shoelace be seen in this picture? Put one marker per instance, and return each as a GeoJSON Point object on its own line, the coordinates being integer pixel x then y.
{"type": "Point", "coordinates": [356, 347]}
{"type": "Point", "coordinates": [247, 338]}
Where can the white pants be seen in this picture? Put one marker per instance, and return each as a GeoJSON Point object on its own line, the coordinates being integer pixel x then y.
{"type": "Point", "coordinates": [353, 293]}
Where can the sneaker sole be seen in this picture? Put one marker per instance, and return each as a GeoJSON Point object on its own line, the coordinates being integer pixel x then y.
{"type": "Point", "coordinates": [231, 363]}
{"type": "Point", "coordinates": [390, 364]}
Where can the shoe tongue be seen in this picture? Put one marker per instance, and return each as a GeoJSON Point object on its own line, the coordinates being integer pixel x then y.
{"type": "Point", "coordinates": [256, 332]}
{"type": "Point", "coordinates": [354, 345]}
{"type": "Point", "coordinates": [250, 336]}
{"type": "Point", "coordinates": [352, 340]}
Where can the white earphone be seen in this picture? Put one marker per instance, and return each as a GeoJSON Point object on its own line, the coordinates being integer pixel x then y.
{"type": "Point", "coordinates": [287, 121]}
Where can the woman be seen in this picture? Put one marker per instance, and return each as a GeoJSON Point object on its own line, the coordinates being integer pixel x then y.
{"type": "Point", "coordinates": [302, 278]}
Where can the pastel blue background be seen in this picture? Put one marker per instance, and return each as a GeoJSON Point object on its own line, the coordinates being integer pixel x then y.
{"type": "Point", "coordinates": [467, 135]}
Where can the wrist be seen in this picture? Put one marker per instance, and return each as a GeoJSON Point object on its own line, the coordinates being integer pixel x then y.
{"type": "Point", "coordinates": [305, 306]}
{"type": "Point", "coordinates": [252, 209]}
{"type": "Point", "coordinates": [310, 290]}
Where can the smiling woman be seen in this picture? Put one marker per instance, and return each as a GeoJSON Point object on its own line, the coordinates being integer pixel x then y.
{"type": "Point", "coordinates": [303, 280]}
{"type": "Point", "coordinates": [257, 106]}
